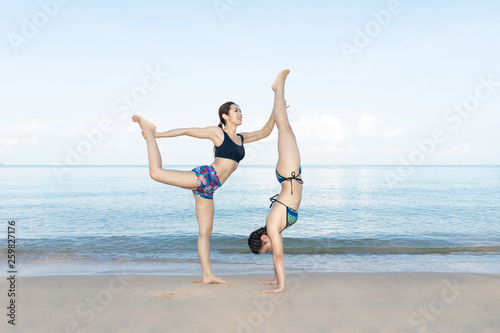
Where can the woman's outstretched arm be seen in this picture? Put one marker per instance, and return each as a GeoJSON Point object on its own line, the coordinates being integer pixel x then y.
{"type": "Point", "coordinates": [201, 133]}
{"type": "Point", "coordinates": [260, 134]}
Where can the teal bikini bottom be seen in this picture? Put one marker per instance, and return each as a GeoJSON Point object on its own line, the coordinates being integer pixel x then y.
{"type": "Point", "coordinates": [291, 214]}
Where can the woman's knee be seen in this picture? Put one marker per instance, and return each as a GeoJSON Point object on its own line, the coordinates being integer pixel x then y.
{"type": "Point", "coordinates": [205, 232]}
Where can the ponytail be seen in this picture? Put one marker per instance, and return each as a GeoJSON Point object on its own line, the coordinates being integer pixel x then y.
{"type": "Point", "coordinates": [220, 125]}
{"type": "Point", "coordinates": [224, 109]}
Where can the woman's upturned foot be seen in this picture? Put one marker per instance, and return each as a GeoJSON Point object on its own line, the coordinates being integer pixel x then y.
{"type": "Point", "coordinates": [280, 80]}
{"type": "Point", "coordinates": [145, 125]}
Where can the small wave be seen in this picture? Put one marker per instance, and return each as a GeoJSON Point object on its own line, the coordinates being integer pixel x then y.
{"type": "Point", "coordinates": [385, 251]}
{"type": "Point", "coordinates": [185, 247]}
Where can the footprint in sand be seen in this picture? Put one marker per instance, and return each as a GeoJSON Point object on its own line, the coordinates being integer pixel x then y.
{"type": "Point", "coordinates": [255, 279]}
{"type": "Point", "coordinates": [168, 296]}
{"type": "Point", "coordinates": [199, 281]}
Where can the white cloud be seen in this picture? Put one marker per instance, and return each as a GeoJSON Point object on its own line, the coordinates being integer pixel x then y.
{"type": "Point", "coordinates": [17, 141]}
{"type": "Point", "coordinates": [323, 128]}
{"type": "Point", "coordinates": [26, 135]}
{"type": "Point", "coordinates": [26, 128]}
{"type": "Point", "coordinates": [6, 148]}
{"type": "Point", "coordinates": [369, 126]}
{"type": "Point", "coordinates": [372, 127]}
{"type": "Point", "coordinates": [461, 150]}
{"type": "Point", "coordinates": [400, 130]}
{"type": "Point", "coordinates": [74, 132]}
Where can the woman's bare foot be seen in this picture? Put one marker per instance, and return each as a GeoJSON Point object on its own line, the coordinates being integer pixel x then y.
{"type": "Point", "coordinates": [280, 80]}
{"type": "Point", "coordinates": [145, 125]}
{"type": "Point", "coordinates": [272, 291]}
{"type": "Point", "coordinates": [212, 279]}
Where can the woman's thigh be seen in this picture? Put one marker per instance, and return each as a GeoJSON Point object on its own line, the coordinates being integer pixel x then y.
{"type": "Point", "coordinates": [184, 179]}
{"type": "Point", "coordinates": [288, 152]}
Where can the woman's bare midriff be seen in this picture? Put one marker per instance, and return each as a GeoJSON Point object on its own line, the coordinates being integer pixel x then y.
{"type": "Point", "coordinates": [293, 201]}
{"type": "Point", "coordinates": [224, 168]}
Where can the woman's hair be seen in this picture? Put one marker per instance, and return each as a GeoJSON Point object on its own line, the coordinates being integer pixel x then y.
{"type": "Point", "coordinates": [224, 109]}
{"type": "Point", "coordinates": [254, 241]}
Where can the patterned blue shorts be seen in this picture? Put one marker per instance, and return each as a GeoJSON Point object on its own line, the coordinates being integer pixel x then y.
{"type": "Point", "coordinates": [208, 181]}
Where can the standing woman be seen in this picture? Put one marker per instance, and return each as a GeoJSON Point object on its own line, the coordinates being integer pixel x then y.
{"type": "Point", "coordinates": [204, 180]}
{"type": "Point", "coordinates": [288, 173]}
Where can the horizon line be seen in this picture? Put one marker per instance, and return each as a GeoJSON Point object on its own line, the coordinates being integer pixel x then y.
{"type": "Point", "coordinates": [256, 165]}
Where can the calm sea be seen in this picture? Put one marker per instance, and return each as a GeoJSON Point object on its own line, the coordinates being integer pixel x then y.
{"type": "Point", "coordinates": [101, 220]}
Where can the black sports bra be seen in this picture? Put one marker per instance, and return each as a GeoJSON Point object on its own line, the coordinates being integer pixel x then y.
{"type": "Point", "coordinates": [229, 149]}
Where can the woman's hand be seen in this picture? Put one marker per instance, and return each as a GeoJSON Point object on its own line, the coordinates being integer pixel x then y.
{"type": "Point", "coordinates": [275, 281]}
{"type": "Point", "coordinates": [272, 291]}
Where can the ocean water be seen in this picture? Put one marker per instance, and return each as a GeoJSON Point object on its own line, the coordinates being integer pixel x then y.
{"type": "Point", "coordinates": [101, 220]}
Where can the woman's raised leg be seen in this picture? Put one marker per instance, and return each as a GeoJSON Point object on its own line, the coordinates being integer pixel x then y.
{"type": "Point", "coordinates": [288, 151]}
{"type": "Point", "coordinates": [184, 179]}
{"type": "Point", "coordinates": [205, 215]}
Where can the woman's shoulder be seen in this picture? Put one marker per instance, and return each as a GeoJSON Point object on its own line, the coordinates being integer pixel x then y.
{"type": "Point", "coordinates": [215, 129]}
{"type": "Point", "coordinates": [219, 133]}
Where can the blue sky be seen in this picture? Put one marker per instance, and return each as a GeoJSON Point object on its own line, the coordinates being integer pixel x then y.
{"type": "Point", "coordinates": [420, 83]}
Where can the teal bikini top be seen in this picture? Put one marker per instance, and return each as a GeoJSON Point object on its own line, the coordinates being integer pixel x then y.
{"type": "Point", "coordinates": [281, 179]}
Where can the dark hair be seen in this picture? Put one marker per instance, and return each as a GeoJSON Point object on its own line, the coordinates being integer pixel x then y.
{"type": "Point", "coordinates": [224, 109]}
{"type": "Point", "coordinates": [254, 241]}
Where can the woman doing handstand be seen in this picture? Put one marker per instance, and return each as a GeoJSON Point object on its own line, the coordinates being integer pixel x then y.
{"type": "Point", "coordinates": [288, 171]}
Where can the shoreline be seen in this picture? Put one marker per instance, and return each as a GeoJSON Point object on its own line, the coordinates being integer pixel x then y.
{"type": "Point", "coordinates": [312, 302]}
{"type": "Point", "coordinates": [343, 264]}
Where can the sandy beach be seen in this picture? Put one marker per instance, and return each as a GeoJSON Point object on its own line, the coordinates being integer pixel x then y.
{"type": "Point", "coordinates": [313, 302]}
